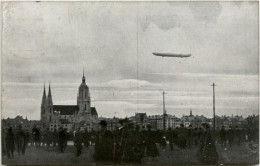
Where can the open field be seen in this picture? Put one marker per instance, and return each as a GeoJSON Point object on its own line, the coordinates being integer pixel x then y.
{"type": "Point", "coordinates": [242, 154]}
{"type": "Point", "coordinates": [235, 155]}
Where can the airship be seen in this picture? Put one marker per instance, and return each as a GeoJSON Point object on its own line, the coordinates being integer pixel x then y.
{"type": "Point", "coordinates": [171, 55]}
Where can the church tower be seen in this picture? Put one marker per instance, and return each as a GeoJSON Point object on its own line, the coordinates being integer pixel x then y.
{"type": "Point", "coordinates": [46, 107]}
{"type": "Point", "coordinates": [83, 99]}
{"type": "Point", "coordinates": [43, 104]}
{"type": "Point", "coordinates": [49, 109]}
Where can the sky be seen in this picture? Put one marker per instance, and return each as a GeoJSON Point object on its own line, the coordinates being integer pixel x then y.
{"type": "Point", "coordinates": [113, 42]}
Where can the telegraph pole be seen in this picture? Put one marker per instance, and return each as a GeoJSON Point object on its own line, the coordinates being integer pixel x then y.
{"type": "Point", "coordinates": [214, 119]}
{"type": "Point", "coordinates": [164, 113]}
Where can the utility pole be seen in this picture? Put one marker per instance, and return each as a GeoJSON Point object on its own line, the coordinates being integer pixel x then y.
{"type": "Point", "coordinates": [214, 119]}
{"type": "Point", "coordinates": [164, 113]}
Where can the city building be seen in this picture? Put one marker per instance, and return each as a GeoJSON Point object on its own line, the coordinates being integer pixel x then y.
{"type": "Point", "coordinates": [170, 122]}
{"type": "Point", "coordinates": [194, 121]}
{"type": "Point", "coordinates": [230, 121]}
{"type": "Point", "coordinates": [142, 121]}
{"type": "Point", "coordinates": [19, 120]}
{"type": "Point", "coordinates": [253, 120]}
{"type": "Point", "coordinates": [154, 121]}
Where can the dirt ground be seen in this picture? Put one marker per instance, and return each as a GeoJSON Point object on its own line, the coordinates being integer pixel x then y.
{"type": "Point", "coordinates": [237, 154]}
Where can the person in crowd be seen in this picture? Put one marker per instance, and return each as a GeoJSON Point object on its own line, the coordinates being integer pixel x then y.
{"type": "Point", "coordinates": [78, 140]}
{"type": "Point", "coordinates": [27, 135]}
{"type": "Point", "coordinates": [92, 137]}
{"type": "Point", "coordinates": [67, 136]}
{"type": "Point", "coordinates": [163, 143]}
{"type": "Point", "coordinates": [10, 143]}
{"type": "Point", "coordinates": [54, 137]}
{"type": "Point", "coordinates": [196, 136]}
{"type": "Point", "coordinates": [169, 137]}
{"type": "Point", "coordinates": [223, 136]}
{"type": "Point", "coordinates": [43, 137]}
{"type": "Point", "coordinates": [49, 137]}
{"type": "Point", "coordinates": [190, 136]}
{"type": "Point", "coordinates": [230, 136]}
{"type": "Point", "coordinates": [131, 144]}
{"type": "Point", "coordinates": [3, 136]}
{"type": "Point", "coordinates": [151, 138]}
{"type": "Point", "coordinates": [207, 152]}
{"type": "Point", "coordinates": [20, 139]}
{"type": "Point", "coordinates": [119, 140]}
{"type": "Point", "coordinates": [36, 136]}
{"type": "Point", "coordinates": [104, 145]}
{"type": "Point", "coordinates": [86, 138]}
{"type": "Point", "coordinates": [182, 136]}
{"type": "Point", "coordinates": [62, 140]}
{"type": "Point", "coordinates": [237, 135]}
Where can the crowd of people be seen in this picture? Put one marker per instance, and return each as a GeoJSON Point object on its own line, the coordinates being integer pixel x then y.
{"type": "Point", "coordinates": [234, 135]}
{"type": "Point", "coordinates": [128, 143]}
{"type": "Point", "coordinates": [12, 140]}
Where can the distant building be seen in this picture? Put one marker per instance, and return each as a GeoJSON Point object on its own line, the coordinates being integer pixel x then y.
{"type": "Point", "coordinates": [194, 121]}
{"type": "Point", "coordinates": [142, 121]}
{"type": "Point", "coordinates": [230, 121]}
{"type": "Point", "coordinates": [19, 120]}
{"type": "Point", "coordinates": [154, 121]}
{"type": "Point", "coordinates": [170, 122]}
{"type": "Point", "coordinates": [253, 121]}
{"type": "Point", "coordinates": [70, 117]}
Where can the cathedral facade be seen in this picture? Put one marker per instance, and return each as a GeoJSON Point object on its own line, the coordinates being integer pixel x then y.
{"type": "Point", "coordinates": [71, 117]}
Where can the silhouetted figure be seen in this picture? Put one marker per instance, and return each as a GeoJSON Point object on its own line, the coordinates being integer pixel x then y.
{"type": "Point", "coordinates": [47, 137]}
{"type": "Point", "coordinates": [237, 135]}
{"type": "Point", "coordinates": [62, 140]}
{"type": "Point", "coordinates": [196, 136]}
{"type": "Point", "coordinates": [131, 145]}
{"type": "Point", "coordinates": [67, 135]}
{"type": "Point", "coordinates": [169, 137]}
{"type": "Point", "coordinates": [120, 138]}
{"type": "Point", "coordinates": [20, 140]}
{"type": "Point", "coordinates": [190, 136]}
{"type": "Point", "coordinates": [86, 138]}
{"type": "Point", "coordinates": [78, 140]}
{"type": "Point", "coordinates": [163, 143]}
{"type": "Point", "coordinates": [36, 136]}
{"type": "Point", "coordinates": [3, 139]}
{"type": "Point", "coordinates": [230, 136]}
{"type": "Point", "coordinates": [200, 132]}
{"type": "Point", "coordinates": [182, 136]}
{"type": "Point", "coordinates": [54, 136]}
{"type": "Point", "coordinates": [27, 134]}
{"type": "Point", "coordinates": [150, 142]}
{"type": "Point", "coordinates": [223, 136]}
{"type": "Point", "coordinates": [207, 152]}
{"type": "Point", "coordinates": [92, 137]}
{"type": "Point", "coordinates": [104, 145]}
{"type": "Point", "coordinates": [140, 144]}
{"type": "Point", "coordinates": [10, 145]}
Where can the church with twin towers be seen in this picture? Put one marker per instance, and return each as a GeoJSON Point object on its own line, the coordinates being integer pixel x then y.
{"type": "Point", "coordinates": [69, 117]}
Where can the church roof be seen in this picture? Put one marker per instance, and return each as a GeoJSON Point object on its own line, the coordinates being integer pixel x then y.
{"type": "Point", "coordinates": [66, 109]}
{"type": "Point", "coordinates": [83, 86]}
{"type": "Point", "coordinates": [93, 111]}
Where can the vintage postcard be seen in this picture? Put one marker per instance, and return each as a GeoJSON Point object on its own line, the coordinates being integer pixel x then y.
{"type": "Point", "coordinates": [130, 82]}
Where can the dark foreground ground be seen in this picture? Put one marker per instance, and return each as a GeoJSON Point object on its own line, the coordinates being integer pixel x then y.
{"type": "Point", "coordinates": [243, 154]}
